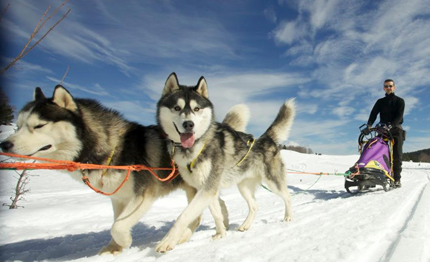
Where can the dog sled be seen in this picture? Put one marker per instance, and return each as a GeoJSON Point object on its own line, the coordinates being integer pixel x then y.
{"type": "Point", "coordinates": [374, 167]}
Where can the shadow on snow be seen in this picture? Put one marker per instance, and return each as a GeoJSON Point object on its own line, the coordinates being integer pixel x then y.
{"type": "Point", "coordinates": [81, 245]}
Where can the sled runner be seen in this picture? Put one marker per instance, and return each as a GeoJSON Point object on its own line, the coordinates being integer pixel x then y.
{"type": "Point", "coordinates": [374, 167]}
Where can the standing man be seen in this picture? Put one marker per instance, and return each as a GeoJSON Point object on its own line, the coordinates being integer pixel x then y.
{"type": "Point", "coordinates": [390, 109]}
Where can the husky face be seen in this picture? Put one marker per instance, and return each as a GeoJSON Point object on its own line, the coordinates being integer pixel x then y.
{"type": "Point", "coordinates": [45, 128]}
{"type": "Point", "coordinates": [185, 113]}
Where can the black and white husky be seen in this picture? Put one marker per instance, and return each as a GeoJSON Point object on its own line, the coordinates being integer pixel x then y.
{"type": "Point", "coordinates": [212, 155]}
{"type": "Point", "coordinates": [82, 130]}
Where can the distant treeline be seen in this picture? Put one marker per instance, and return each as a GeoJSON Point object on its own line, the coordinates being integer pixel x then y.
{"type": "Point", "coordinates": [417, 156]}
{"type": "Point", "coordinates": [299, 149]}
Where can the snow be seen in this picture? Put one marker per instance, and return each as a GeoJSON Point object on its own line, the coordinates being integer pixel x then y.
{"type": "Point", "coordinates": [63, 220]}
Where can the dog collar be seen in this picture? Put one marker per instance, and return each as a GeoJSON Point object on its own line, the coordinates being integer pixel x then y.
{"type": "Point", "coordinates": [171, 148]}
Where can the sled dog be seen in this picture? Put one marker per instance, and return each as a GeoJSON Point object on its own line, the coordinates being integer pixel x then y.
{"type": "Point", "coordinates": [82, 130]}
{"type": "Point", "coordinates": [212, 155]}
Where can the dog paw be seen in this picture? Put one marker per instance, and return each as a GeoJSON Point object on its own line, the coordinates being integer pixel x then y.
{"type": "Point", "coordinates": [288, 219]}
{"type": "Point", "coordinates": [112, 248]}
{"type": "Point", "coordinates": [165, 245]}
{"type": "Point", "coordinates": [242, 229]}
{"type": "Point", "coordinates": [218, 236]}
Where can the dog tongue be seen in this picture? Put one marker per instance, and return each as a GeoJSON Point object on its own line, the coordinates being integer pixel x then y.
{"type": "Point", "coordinates": [187, 140]}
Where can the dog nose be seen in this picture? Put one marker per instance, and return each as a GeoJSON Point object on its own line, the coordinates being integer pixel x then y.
{"type": "Point", "coordinates": [188, 125]}
{"type": "Point", "coordinates": [6, 146]}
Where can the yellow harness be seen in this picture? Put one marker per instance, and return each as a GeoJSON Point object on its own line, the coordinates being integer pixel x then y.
{"type": "Point", "coordinates": [111, 154]}
{"type": "Point", "coordinates": [252, 141]}
{"type": "Point", "coordinates": [192, 164]}
{"type": "Point", "coordinates": [249, 143]}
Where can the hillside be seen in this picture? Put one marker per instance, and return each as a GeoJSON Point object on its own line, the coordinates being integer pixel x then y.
{"type": "Point", "coordinates": [417, 156]}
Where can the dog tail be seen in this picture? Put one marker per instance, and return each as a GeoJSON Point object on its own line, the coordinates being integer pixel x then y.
{"type": "Point", "coordinates": [238, 117]}
{"type": "Point", "coordinates": [280, 128]}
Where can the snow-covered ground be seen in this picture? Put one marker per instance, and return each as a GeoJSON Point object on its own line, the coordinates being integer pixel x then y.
{"type": "Point", "coordinates": [65, 221]}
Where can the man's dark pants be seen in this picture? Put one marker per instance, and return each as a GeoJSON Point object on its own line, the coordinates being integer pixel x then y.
{"type": "Point", "coordinates": [397, 152]}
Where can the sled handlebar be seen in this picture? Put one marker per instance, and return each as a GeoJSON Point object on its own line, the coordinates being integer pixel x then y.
{"type": "Point", "coordinates": [380, 129]}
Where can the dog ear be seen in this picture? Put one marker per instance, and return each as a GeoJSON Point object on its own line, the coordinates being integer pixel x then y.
{"type": "Point", "coordinates": [38, 94]}
{"type": "Point", "coordinates": [202, 87]}
{"type": "Point", "coordinates": [64, 99]}
{"type": "Point", "coordinates": [171, 85]}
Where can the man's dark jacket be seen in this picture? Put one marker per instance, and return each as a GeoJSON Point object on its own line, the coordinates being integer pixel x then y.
{"type": "Point", "coordinates": [390, 110]}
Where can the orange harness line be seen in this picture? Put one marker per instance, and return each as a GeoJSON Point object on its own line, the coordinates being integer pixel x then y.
{"type": "Point", "coordinates": [73, 166]}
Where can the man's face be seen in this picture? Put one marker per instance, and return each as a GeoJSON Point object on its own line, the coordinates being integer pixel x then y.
{"type": "Point", "coordinates": [389, 87]}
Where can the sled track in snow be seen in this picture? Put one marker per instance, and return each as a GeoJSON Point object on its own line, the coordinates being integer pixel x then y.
{"type": "Point", "coordinates": [392, 236]}
{"type": "Point", "coordinates": [390, 255]}
{"type": "Point", "coordinates": [416, 220]}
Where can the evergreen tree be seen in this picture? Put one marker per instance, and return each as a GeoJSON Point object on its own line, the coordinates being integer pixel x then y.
{"type": "Point", "coordinates": [6, 110]}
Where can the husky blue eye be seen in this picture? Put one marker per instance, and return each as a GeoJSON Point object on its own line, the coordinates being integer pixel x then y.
{"type": "Point", "coordinates": [177, 108]}
{"type": "Point", "coordinates": [196, 109]}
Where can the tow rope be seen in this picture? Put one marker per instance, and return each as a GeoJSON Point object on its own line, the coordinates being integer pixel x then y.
{"type": "Point", "coordinates": [320, 174]}
{"type": "Point", "coordinates": [316, 173]}
{"type": "Point", "coordinates": [73, 166]}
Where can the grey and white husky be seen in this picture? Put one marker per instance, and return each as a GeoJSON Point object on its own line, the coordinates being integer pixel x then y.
{"type": "Point", "coordinates": [212, 155]}
{"type": "Point", "coordinates": [83, 130]}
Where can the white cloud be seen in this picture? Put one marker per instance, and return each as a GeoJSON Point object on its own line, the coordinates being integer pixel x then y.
{"type": "Point", "coordinates": [134, 111]}
{"type": "Point", "coordinates": [329, 136]}
{"type": "Point", "coordinates": [411, 103]}
{"type": "Point", "coordinates": [360, 47]}
{"type": "Point", "coordinates": [344, 111]}
{"type": "Point", "coordinates": [418, 142]}
{"type": "Point", "coordinates": [321, 11]}
{"type": "Point", "coordinates": [270, 14]}
{"type": "Point", "coordinates": [123, 42]}
{"type": "Point", "coordinates": [362, 115]}
{"type": "Point", "coordinates": [335, 148]}
{"type": "Point", "coordinates": [288, 32]}
{"type": "Point", "coordinates": [96, 89]}
{"type": "Point", "coordinates": [307, 108]}
{"type": "Point", "coordinates": [171, 34]}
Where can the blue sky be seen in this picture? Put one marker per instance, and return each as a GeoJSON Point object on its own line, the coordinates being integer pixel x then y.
{"type": "Point", "coordinates": [331, 55]}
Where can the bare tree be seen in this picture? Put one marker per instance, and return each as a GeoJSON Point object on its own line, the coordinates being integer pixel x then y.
{"type": "Point", "coordinates": [27, 48]}
{"type": "Point", "coordinates": [65, 74]}
{"type": "Point", "coordinates": [6, 110]}
{"type": "Point", "coordinates": [4, 11]}
{"type": "Point", "coordinates": [20, 189]}
{"type": "Point", "coordinates": [300, 149]}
